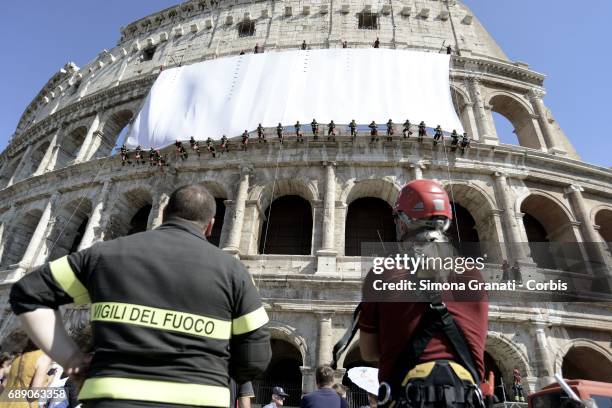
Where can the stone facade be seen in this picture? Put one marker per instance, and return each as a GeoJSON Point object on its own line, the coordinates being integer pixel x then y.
{"type": "Point", "coordinates": [61, 191]}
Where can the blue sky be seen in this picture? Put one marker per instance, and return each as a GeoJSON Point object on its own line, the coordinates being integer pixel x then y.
{"type": "Point", "coordinates": [567, 42]}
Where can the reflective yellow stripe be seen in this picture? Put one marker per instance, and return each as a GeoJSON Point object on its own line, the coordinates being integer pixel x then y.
{"type": "Point", "coordinates": [155, 391]}
{"type": "Point", "coordinates": [66, 278]}
{"type": "Point", "coordinates": [462, 372]}
{"type": "Point", "coordinates": [162, 319]}
{"type": "Point", "coordinates": [424, 369]}
{"type": "Point", "coordinates": [250, 321]}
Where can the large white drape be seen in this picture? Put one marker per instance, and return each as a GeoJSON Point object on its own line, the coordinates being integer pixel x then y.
{"type": "Point", "coordinates": [228, 95]}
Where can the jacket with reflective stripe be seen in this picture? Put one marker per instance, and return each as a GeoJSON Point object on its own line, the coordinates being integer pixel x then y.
{"type": "Point", "coordinates": [169, 311]}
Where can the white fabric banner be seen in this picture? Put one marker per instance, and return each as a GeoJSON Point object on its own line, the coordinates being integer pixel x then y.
{"type": "Point", "coordinates": [228, 95]}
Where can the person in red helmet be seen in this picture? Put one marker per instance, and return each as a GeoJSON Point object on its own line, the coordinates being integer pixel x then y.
{"type": "Point", "coordinates": [430, 352]}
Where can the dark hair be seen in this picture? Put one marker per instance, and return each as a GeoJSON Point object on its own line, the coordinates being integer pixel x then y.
{"type": "Point", "coordinates": [193, 203]}
{"type": "Point", "coordinates": [4, 357]}
{"type": "Point", "coordinates": [29, 346]}
{"type": "Point", "coordinates": [324, 375]}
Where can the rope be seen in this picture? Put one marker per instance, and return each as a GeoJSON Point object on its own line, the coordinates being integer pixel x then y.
{"type": "Point", "coordinates": [450, 180]}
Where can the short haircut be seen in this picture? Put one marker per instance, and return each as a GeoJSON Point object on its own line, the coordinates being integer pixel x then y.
{"type": "Point", "coordinates": [340, 389]}
{"type": "Point", "coordinates": [4, 357]}
{"type": "Point", "coordinates": [192, 202]}
{"type": "Point", "coordinates": [324, 375]}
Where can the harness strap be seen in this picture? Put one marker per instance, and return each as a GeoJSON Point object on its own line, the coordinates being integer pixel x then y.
{"type": "Point", "coordinates": [346, 339]}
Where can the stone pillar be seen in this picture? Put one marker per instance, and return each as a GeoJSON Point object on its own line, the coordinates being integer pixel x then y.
{"type": "Point", "coordinates": [92, 230]}
{"type": "Point", "coordinates": [469, 110]}
{"type": "Point", "coordinates": [512, 227]}
{"type": "Point", "coordinates": [17, 173]}
{"type": "Point", "coordinates": [7, 219]}
{"type": "Point", "coordinates": [87, 142]}
{"type": "Point", "coordinates": [544, 358]}
{"type": "Point", "coordinates": [43, 166]}
{"type": "Point", "coordinates": [535, 96]}
{"type": "Point", "coordinates": [235, 232]}
{"type": "Point", "coordinates": [30, 257]}
{"type": "Point", "coordinates": [157, 210]}
{"type": "Point", "coordinates": [96, 143]}
{"type": "Point", "coordinates": [53, 159]}
{"type": "Point", "coordinates": [483, 122]}
{"type": "Point", "coordinates": [417, 171]}
{"type": "Point", "coordinates": [308, 379]}
{"type": "Point", "coordinates": [329, 209]}
{"type": "Point", "coordinates": [325, 345]}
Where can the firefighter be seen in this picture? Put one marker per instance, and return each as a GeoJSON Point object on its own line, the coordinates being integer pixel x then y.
{"type": "Point", "coordinates": [152, 157]}
{"type": "Point", "coordinates": [435, 357]}
{"type": "Point", "coordinates": [211, 147]}
{"type": "Point", "coordinates": [449, 49]}
{"type": "Point", "coordinates": [373, 131]}
{"type": "Point", "coordinates": [455, 136]}
{"type": "Point", "coordinates": [315, 129]}
{"type": "Point", "coordinates": [437, 135]}
{"type": "Point", "coordinates": [422, 131]}
{"type": "Point", "coordinates": [331, 131]}
{"type": "Point", "coordinates": [298, 131]}
{"type": "Point", "coordinates": [195, 145]}
{"type": "Point", "coordinates": [377, 43]}
{"type": "Point", "coordinates": [224, 144]}
{"type": "Point", "coordinates": [154, 344]}
{"type": "Point", "coordinates": [465, 143]}
{"type": "Point", "coordinates": [261, 136]}
{"type": "Point", "coordinates": [180, 149]}
{"type": "Point", "coordinates": [517, 386]}
{"type": "Point", "coordinates": [245, 139]}
{"type": "Point", "coordinates": [125, 155]}
{"type": "Point", "coordinates": [353, 128]}
{"type": "Point", "coordinates": [279, 132]}
{"type": "Point", "coordinates": [304, 45]}
{"type": "Point", "coordinates": [406, 131]}
{"type": "Point", "coordinates": [390, 130]}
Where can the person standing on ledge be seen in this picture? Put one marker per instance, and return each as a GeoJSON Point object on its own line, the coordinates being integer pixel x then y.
{"type": "Point", "coordinates": [172, 315]}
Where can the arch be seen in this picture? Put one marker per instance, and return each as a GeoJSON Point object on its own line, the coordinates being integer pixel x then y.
{"type": "Point", "coordinates": [290, 334]}
{"type": "Point", "coordinates": [384, 189]}
{"type": "Point", "coordinates": [462, 104]}
{"type": "Point", "coordinates": [19, 238]}
{"type": "Point", "coordinates": [69, 227]}
{"type": "Point", "coordinates": [603, 218]}
{"type": "Point", "coordinates": [368, 220]}
{"type": "Point", "coordinates": [586, 360]}
{"type": "Point", "coordinates": [520, 115]}
{"type": "Point", "coordinates": [284, 187]}
{"type": "Point", "coordinates": [548, 226]}
{"type": "Point", "coordinates": [284, 371]}
{"type": "Point", "coordinates": [507, 356]}
{"type": "Point", "coordinates": [9, 171]}
{"type": "Point", "coordinates": [288, 227]}
{"type": "Point", "coordinates": [111, 129]}
{"type": "Point", "coordinates": [70, 145]}
{"type": "Point", "coordinates": [582, 343]}
{"type": "Point", "coordinates": [34, 160]}
{"type": "Point", "coordinates": [130, 210]}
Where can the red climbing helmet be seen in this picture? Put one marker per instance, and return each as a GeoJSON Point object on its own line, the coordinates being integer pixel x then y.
{"type": "Point", "coordinates": [423, 199]}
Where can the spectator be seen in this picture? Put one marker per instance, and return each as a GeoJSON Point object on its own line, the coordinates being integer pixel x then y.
{"type": "Point", "coordinates": [304, 46]}
{"type": "Point", "coordinates": [241, 395]}
{"type": "Point", "coordinates": [377, 43]}
{"type": "Point", "coordinates": [278, 398]}
{"type": "Point", "coordinates": [340, 390]}
{"type": "Point", "coordinates": [325, 396]}
{"type": "Point", "coordinates": [344, 44]}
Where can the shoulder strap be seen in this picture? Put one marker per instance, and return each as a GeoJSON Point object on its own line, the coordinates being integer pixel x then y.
{"type": "Point", "coordinates": [346, 339]}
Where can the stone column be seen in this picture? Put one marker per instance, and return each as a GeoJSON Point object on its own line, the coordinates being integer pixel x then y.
{"type": "Point", "coordinates": [485, 132]}
{"type": "Point", "coordinates": [512, 227]}
{"type": "Point", "coordinates": [7, 219]}
{"type": "Point", "coordinates": [43, 166]}
{"type": "Point", "coordinates": [535, 96]}
{"type": "Point", "coordinates": [235, 232]}
{"type": "Point", "coordinates": [417, 171]}
{"type": "Point", "coordinates": [157, 210]}
{"type": "Point", "coordinates": [469, 110]}
{"type": "Point", "coordinates": [329, 209]}
{"type": "Point", "coordinates": [17, 173]}
{"type": "Point", "coordinates": [325, 345]}
{"type": "Point", "coordinates": [30, 257]}
{"type": "Point", "coordinates": [544, 358]}
{"type": "Point", "coordinates": [92, 230]}
{"type": "Point", "coordinates": [87, 142]}
{"type": "Point", "coordinates": [308, 379]}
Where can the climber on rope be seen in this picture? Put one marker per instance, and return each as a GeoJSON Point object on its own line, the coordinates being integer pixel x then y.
{"type": "Point", "coordinates": [437, 135]}
{"type": "Point", "coordinates": [224, 144]}
{"type": "Point", "coordinates": [125, 155]}
{"type": "Point", "coordinates": [331, 131]}
{"type": "Point", "coordinates": [180, 150]}
{"type": "Point", "coordinates": [245, 139]}
{"type": "Point", "coordinates": [373, 132]}
{"type": "Point", "coordinates": [298, 132]}
{"type": "Point", "coordinates": [390, 130]}
{"type": "Point", "coordinates": [211, 147]}
{"type": "Point", "coordinates": [353, 128]}
{"type": "Point", "coordinates": [406, 131]}
{"type": "Point", "coordinates": [465, 143]}
{"type": "Point", "coordinates": [455, 142]}
{"type": "Point", "coordinates": [195, 145]}
{"type": "Point", "coordinates": [152, 157]}
{"type": "Point", "coordinates": [422, 131]}
{"type": "Point", "coordinates": [315, 129]}
{"type": "Point", "coordinates": [138, 155]}
{"type": "Point", "coordinates": [261, 136]}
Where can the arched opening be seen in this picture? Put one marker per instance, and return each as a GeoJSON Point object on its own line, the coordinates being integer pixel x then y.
{"type": "Point", "coordinates": [368, 219]}
{"type": "Point", "coordinates": [131, 214]}
{"type": "Point", "coordinates": [462, 110]}
{"type": "Point", "coordinates": [505, 130]}
{"type": "Point", "coordinates": [283, 371]}
{"type": "Point", "coordinates": [113, 132]}
{"type": "Point", "coordinates": [215, 237]}
{"type": "Point", "coordinates": [288, 228]}
{"type": "Point", "coordinates": [462, 232]}
{"type": "Point", "coordinates": [355, 396]}
{"type": "Point", "coordinates": [585, 363]}
{"type": "Point", "coordinates": [519, 117]}
{"type": "Point", "coordinates": [69, 228]}
{"type": "Point", "coordinates": [9, 171]}
{"type": "Point", "coordinates": [19, 237]}
{"type": "Point", "coordinates": [70, 146]}
{"type": "Point", "coordinates": [603, 219]}
{"type": "Point", "coordinates": [37, 157]}
{"type": "Point", "coordinates": [549, 231]}
{"type": "Point", "coordinates": [492, 367]}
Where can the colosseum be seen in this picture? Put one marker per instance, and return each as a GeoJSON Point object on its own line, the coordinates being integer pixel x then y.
{"type": "Point", "coordinates": [296, 216]}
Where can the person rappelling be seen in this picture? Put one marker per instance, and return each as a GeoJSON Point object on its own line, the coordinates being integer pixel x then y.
{"type": "Point", "coordinates": [211, 147]}
{"type": "Point", "coordinates": [406, 130]}
{"type": "Point", "coordinates": [180, 150]}
{"type": "Point", "coordinates": [224, 145]}
{"type": "Point", "coordinates": [373, 132]}
{"type": "Point", "coordinates": [152, 157]}
{"type": "Point", "coordinates": [315, 129]}
{"type": "Point", "coordinates": [298, 132]}
{"type": "Point", "coordinates": [261, 135]}
{"type": "Point", "coordinates": [455, 140]}
{"type": "Point", "coordinates": [422, 131]}
{"type": "Point", "coordinates": [331, 131]}
{"type": "Point", "coordinates": [353, 128]}
{"type": "Point", "coordinates": [390, 130]}
{"type": "Point", "coordinates": [245, 139]}
{"type": "Point", "coordinates": [437, 135]}
{"type": "Point", "coordinates": [279, 132]}
{"type": "Point", "coordinates": [195, 145]}
{"type": "Point", "coordinates": [125, 155]}
{"type": "Point", "coordinates": [465, 143]}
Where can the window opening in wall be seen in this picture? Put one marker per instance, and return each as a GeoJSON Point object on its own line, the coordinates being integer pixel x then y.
{"type": "Point", "coordinates": [367, 21]}
{"type": "Point", "coordinates": [215, 236]}
{"type": "Point", "coordinates": [147, 54]}
{"type": "Point", "coordinates": [246, 28]}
